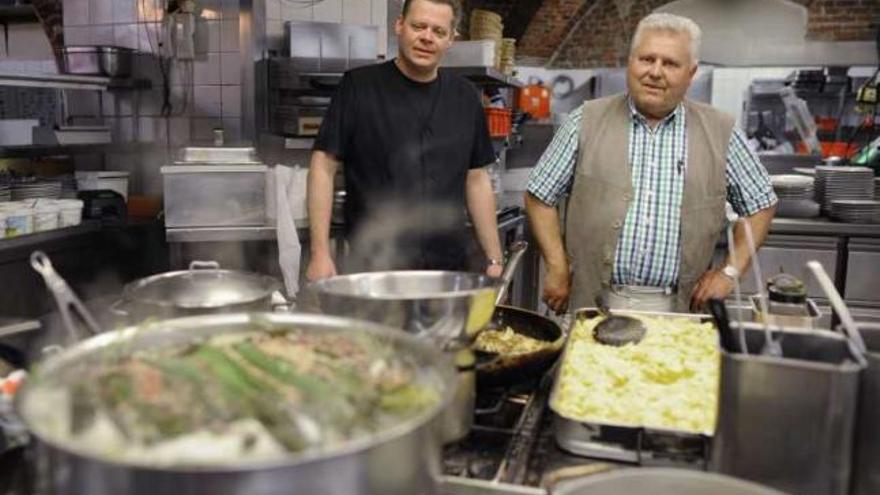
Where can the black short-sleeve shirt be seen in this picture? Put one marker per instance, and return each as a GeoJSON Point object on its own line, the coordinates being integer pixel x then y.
{"type": "Point", "coordinates": [406, 149]}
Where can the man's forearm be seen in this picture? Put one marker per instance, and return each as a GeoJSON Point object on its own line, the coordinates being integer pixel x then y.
{"type": "Point", "coordinates": [544, 222]}
{"type": "Point", "coordinates": [759, 223]}
{"type": "Point", "coordinates": [481, 207]}
{"type": "Point", "coordinates": [322, 170]}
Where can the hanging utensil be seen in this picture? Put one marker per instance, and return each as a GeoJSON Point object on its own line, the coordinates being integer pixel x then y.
{"type": "Point", "coordinates": [617, 330]}
{"type": "Point", "coordinates": [856, 343]}
{"type": "Point", "coordinates": [68, 303]}
{"type": "Point", "coordinates": [517, 250]}
{"type": "Point", "coordinates": [722, 321]}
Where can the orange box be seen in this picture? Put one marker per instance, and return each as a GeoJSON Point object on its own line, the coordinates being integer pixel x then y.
{"type": "Point", "coordinates": [499, 121]}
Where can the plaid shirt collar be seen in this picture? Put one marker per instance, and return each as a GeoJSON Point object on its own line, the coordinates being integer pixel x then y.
{"type": "Point", "coordinates": [637, 116]}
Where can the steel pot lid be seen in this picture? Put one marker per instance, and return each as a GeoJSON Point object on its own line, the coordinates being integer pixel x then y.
{"type": "Point", "coordinates": [786, 288]}
{"type": "Point", "coordinates": [203, 286]}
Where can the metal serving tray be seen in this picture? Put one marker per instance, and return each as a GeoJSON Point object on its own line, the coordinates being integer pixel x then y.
{"type": "Point", "coordinates": [627, 442]}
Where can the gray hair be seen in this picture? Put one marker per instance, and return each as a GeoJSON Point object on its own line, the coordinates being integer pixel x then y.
{"type": "Point", "coordinates": [670, 22]}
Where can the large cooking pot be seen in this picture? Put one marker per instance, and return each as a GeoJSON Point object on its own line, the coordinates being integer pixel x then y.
{"type": "Point", "coordinates": [447, 308]}
{"type": "Point", "coordinates": [661, 481]}
{"type": "Point", "coordinates": [401, 460]}
{"type": "Point", "coordinates": [204, 288]}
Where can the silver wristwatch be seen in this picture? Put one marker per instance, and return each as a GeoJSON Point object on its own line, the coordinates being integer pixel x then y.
{"type": "Point", "coordinates": [730, 272]}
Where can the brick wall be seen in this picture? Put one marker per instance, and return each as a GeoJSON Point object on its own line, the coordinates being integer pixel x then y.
{"type": "Point", "coordinates": [596, 33]}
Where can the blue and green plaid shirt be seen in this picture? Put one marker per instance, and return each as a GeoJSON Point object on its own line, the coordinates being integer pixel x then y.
{"type": "Point", "coordinates": [649, 249]}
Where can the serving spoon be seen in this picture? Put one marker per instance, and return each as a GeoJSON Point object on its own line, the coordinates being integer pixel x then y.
{"type": "Point", "coordinates": [617, 330]}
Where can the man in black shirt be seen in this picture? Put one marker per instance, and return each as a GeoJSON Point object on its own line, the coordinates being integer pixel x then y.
{"type": "Point", "coordinates": [414, 143]}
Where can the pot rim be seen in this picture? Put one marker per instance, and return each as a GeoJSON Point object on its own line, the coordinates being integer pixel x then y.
{"type": "Point", "coordinates": [326, 286]}
{"type": "Point", "coordinates": [129, 292]}
{"type": "Point", "coordinates": [226, 324]}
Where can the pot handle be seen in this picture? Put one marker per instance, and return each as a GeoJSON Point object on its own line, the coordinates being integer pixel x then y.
{"type": "Point", "coordinates": [204, 265]}
{"type": "Point", "coordinates": [516, 253]}
{"type": "Point", "coordinates": [69, 304]}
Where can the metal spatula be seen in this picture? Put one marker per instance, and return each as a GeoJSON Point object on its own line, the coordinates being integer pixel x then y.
{"type": "Point", "coordinates": [617, 330]}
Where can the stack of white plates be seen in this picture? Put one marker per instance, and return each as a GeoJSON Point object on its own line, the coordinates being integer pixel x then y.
{"type": "Point", "coordinates": [50, 189]}
{"type": "Point", "coordinates": [790, 186]}
{"type": "Point", "coordinates": [856, 210]}
{"type": "Point", "coordinates": [5, 192]}
{"type": "Point", "coordinates": [876, 187]}
{"type": "Point", "coordinates": [833, 183]}
{"type": "Point", "coordinates": [68, 186]}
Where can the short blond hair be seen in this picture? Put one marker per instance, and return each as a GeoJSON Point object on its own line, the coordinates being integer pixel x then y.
{"type": "Point", "coordinates": [670, 22]}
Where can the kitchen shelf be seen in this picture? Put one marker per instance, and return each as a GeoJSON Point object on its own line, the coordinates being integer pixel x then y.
{"type": "Point", "coordinates": [488, 76]}
{"type": "Point", "coordinates": [13, 247]}
{"type": "Point", "coordinates": [69, 81]}
{"type": "Point", "coordinates": [38, 150]}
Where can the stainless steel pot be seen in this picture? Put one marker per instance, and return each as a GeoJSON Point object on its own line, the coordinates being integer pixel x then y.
{"type": "Point", "coordinates": [661, 481]}
{"type": "Point", "coordinates": [402, 460]}
{"type": "Point", "coordinates": [202, 289]}
{"type": "Point", "coordinates": [109, 61]}
{"type": "Point", "coordinates": [448, 308]}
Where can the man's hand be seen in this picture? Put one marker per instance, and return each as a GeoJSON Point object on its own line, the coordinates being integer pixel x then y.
{"type": "Point", "coordinates": [557, 288]}
{"type": "Point", "coordinates": [494, 270]}
{"type": "Point", "coordinates": [712, 285]}
{"type": "Point", "coordinates": [320, 267]}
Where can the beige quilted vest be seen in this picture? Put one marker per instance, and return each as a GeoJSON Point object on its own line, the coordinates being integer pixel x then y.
{"type": "Point", "coordinates": [602, 192]}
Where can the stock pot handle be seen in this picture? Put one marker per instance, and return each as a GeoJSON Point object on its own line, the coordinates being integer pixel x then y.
{"type": "Point", "coordinates": [68, 304]}
{"type": "Point", "coordinates": [204, 265]}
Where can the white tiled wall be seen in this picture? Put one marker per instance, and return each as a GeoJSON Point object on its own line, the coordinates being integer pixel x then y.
{"type": "Point", "coordinates": [206, 92]}
{"type": "Point", "coordinates": [348, 11]}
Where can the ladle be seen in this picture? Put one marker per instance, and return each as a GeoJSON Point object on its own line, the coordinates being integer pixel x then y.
{"type": "Point", "coordinates": [617, 330]}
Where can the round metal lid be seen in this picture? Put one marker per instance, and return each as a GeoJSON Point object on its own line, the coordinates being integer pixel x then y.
{"type": "Point", "coordinates": [204, 285]}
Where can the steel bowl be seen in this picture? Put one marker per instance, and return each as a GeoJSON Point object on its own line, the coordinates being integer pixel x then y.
{"type": "Point", "coordinates": [449, 308]}
{"type": "Point", "coordinates": [400, 460]}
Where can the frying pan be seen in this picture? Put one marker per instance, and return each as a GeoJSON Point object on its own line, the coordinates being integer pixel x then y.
{"type": "Point", "coordinates": [506, 369]}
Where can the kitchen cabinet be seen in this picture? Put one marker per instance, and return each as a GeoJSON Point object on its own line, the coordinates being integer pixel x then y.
{"type": "Point", "coordinates": [863, 270]}
{"type": "Point", "coordinates": [790, 253]}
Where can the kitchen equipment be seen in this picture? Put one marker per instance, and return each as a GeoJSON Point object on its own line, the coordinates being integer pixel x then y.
{"type": "Point", "coordinates": [805, 447]}
{"type": "Point", "coordinates": [72, 134]}
{"type": "Point", "coordinates": [17, 131]}
{"type": "Point", "coordinates": [202, 289]}
{"type": "Point", "coordinates": [502, 369]}
{"type": "Point", "coordinates": [627, 443]}
{"type": "Point", "coordinates": [110, 61]}
{"type": "Point", "coordinates": [866, 455]}
{"type": "Point", "coordinates": [218, 154]}
{"type": "Point", "coordinates": [787, 304]}
{"type": "Point", "coordinates": [448, 308]}
{"type": "Point", "coordinates": [105, 179]}
{"type": "Point", "coordinates": [401, 460]}
{"type": "Point", "coordinates": [105, 205]}
{"type": "Point", "coordinates": [660, 481]}
{"type": "Point", "coordinates": [617, 330]}
{"type": "Point", "coordinates": [722, 321]}
{"type": "Point", "coordinates": [214, 195]}
{"type": "Point", "coordinates": [68, 304]}
{"type": "Point", "coordinates": [470, 53]}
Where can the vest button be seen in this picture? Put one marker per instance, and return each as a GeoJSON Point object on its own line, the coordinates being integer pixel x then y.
{"type": "Point", "coordinates": [618, 224]}
{"type": "Point", "coordinates": [627, 197]}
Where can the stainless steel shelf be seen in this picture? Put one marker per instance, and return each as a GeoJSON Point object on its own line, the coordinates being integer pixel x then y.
{"type": "Point", "coordinates": [40, 238]}
{"type": "Point", "coordinates": [69, 81]}
{"type": "Point", "coordinates": [220, 234]}
{"type": "Point", "coordinates": [823, 227]}
{"type": "Point", "coordinates": [304, 143]}
{"type": "Point", "coordinates": [489, 76]}
{"type": "Point", "coordinates": [37, 150]}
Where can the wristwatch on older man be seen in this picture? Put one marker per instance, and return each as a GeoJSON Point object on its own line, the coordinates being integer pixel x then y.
{"type": "Point", "coordinates": [730, 272]}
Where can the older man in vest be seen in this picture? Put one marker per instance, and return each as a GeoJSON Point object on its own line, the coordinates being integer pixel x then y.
{"type": "Point", "coordinates": [648, 173]}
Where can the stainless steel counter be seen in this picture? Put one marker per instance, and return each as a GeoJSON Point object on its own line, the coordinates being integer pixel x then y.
{"type": "Point", "coordinates": [823, 227]}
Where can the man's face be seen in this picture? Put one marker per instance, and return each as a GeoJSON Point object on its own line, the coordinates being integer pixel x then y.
{"type": "Point", "coordinates": [425, 33]}
{"type": "Point", "coordinates": [659, 72]}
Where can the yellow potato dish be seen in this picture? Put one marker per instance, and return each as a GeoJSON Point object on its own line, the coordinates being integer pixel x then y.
{"type": "Point", "coordinates": [669, 380]}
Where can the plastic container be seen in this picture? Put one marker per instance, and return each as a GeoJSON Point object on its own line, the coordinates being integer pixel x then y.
{"type": "Point", "coordinates": [70, 212]}
{"type": "Point", "coordinates": [115, 181]}
{"type": "Point", "coordinates": [46, 217]}
{"type": "Point", "coordinates": [19, 222]}
{"type": "Point", "coordinates": [499, 121]}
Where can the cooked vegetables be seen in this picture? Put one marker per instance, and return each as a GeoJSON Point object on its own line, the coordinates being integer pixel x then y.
{"type": "Point", "coordinates": [508, 341]}
{"type": "Point", "coordinates": [669, 380]}
{"type": "Point", "coordinates": [257, 396]}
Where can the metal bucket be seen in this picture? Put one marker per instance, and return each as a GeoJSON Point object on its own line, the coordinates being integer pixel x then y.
{"type": "Point", "coordinates": [661, 481]}
{"type": "Point", "coordinates": [788, 422]}
{"type": "Point", "coordinates": [866, 460]}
